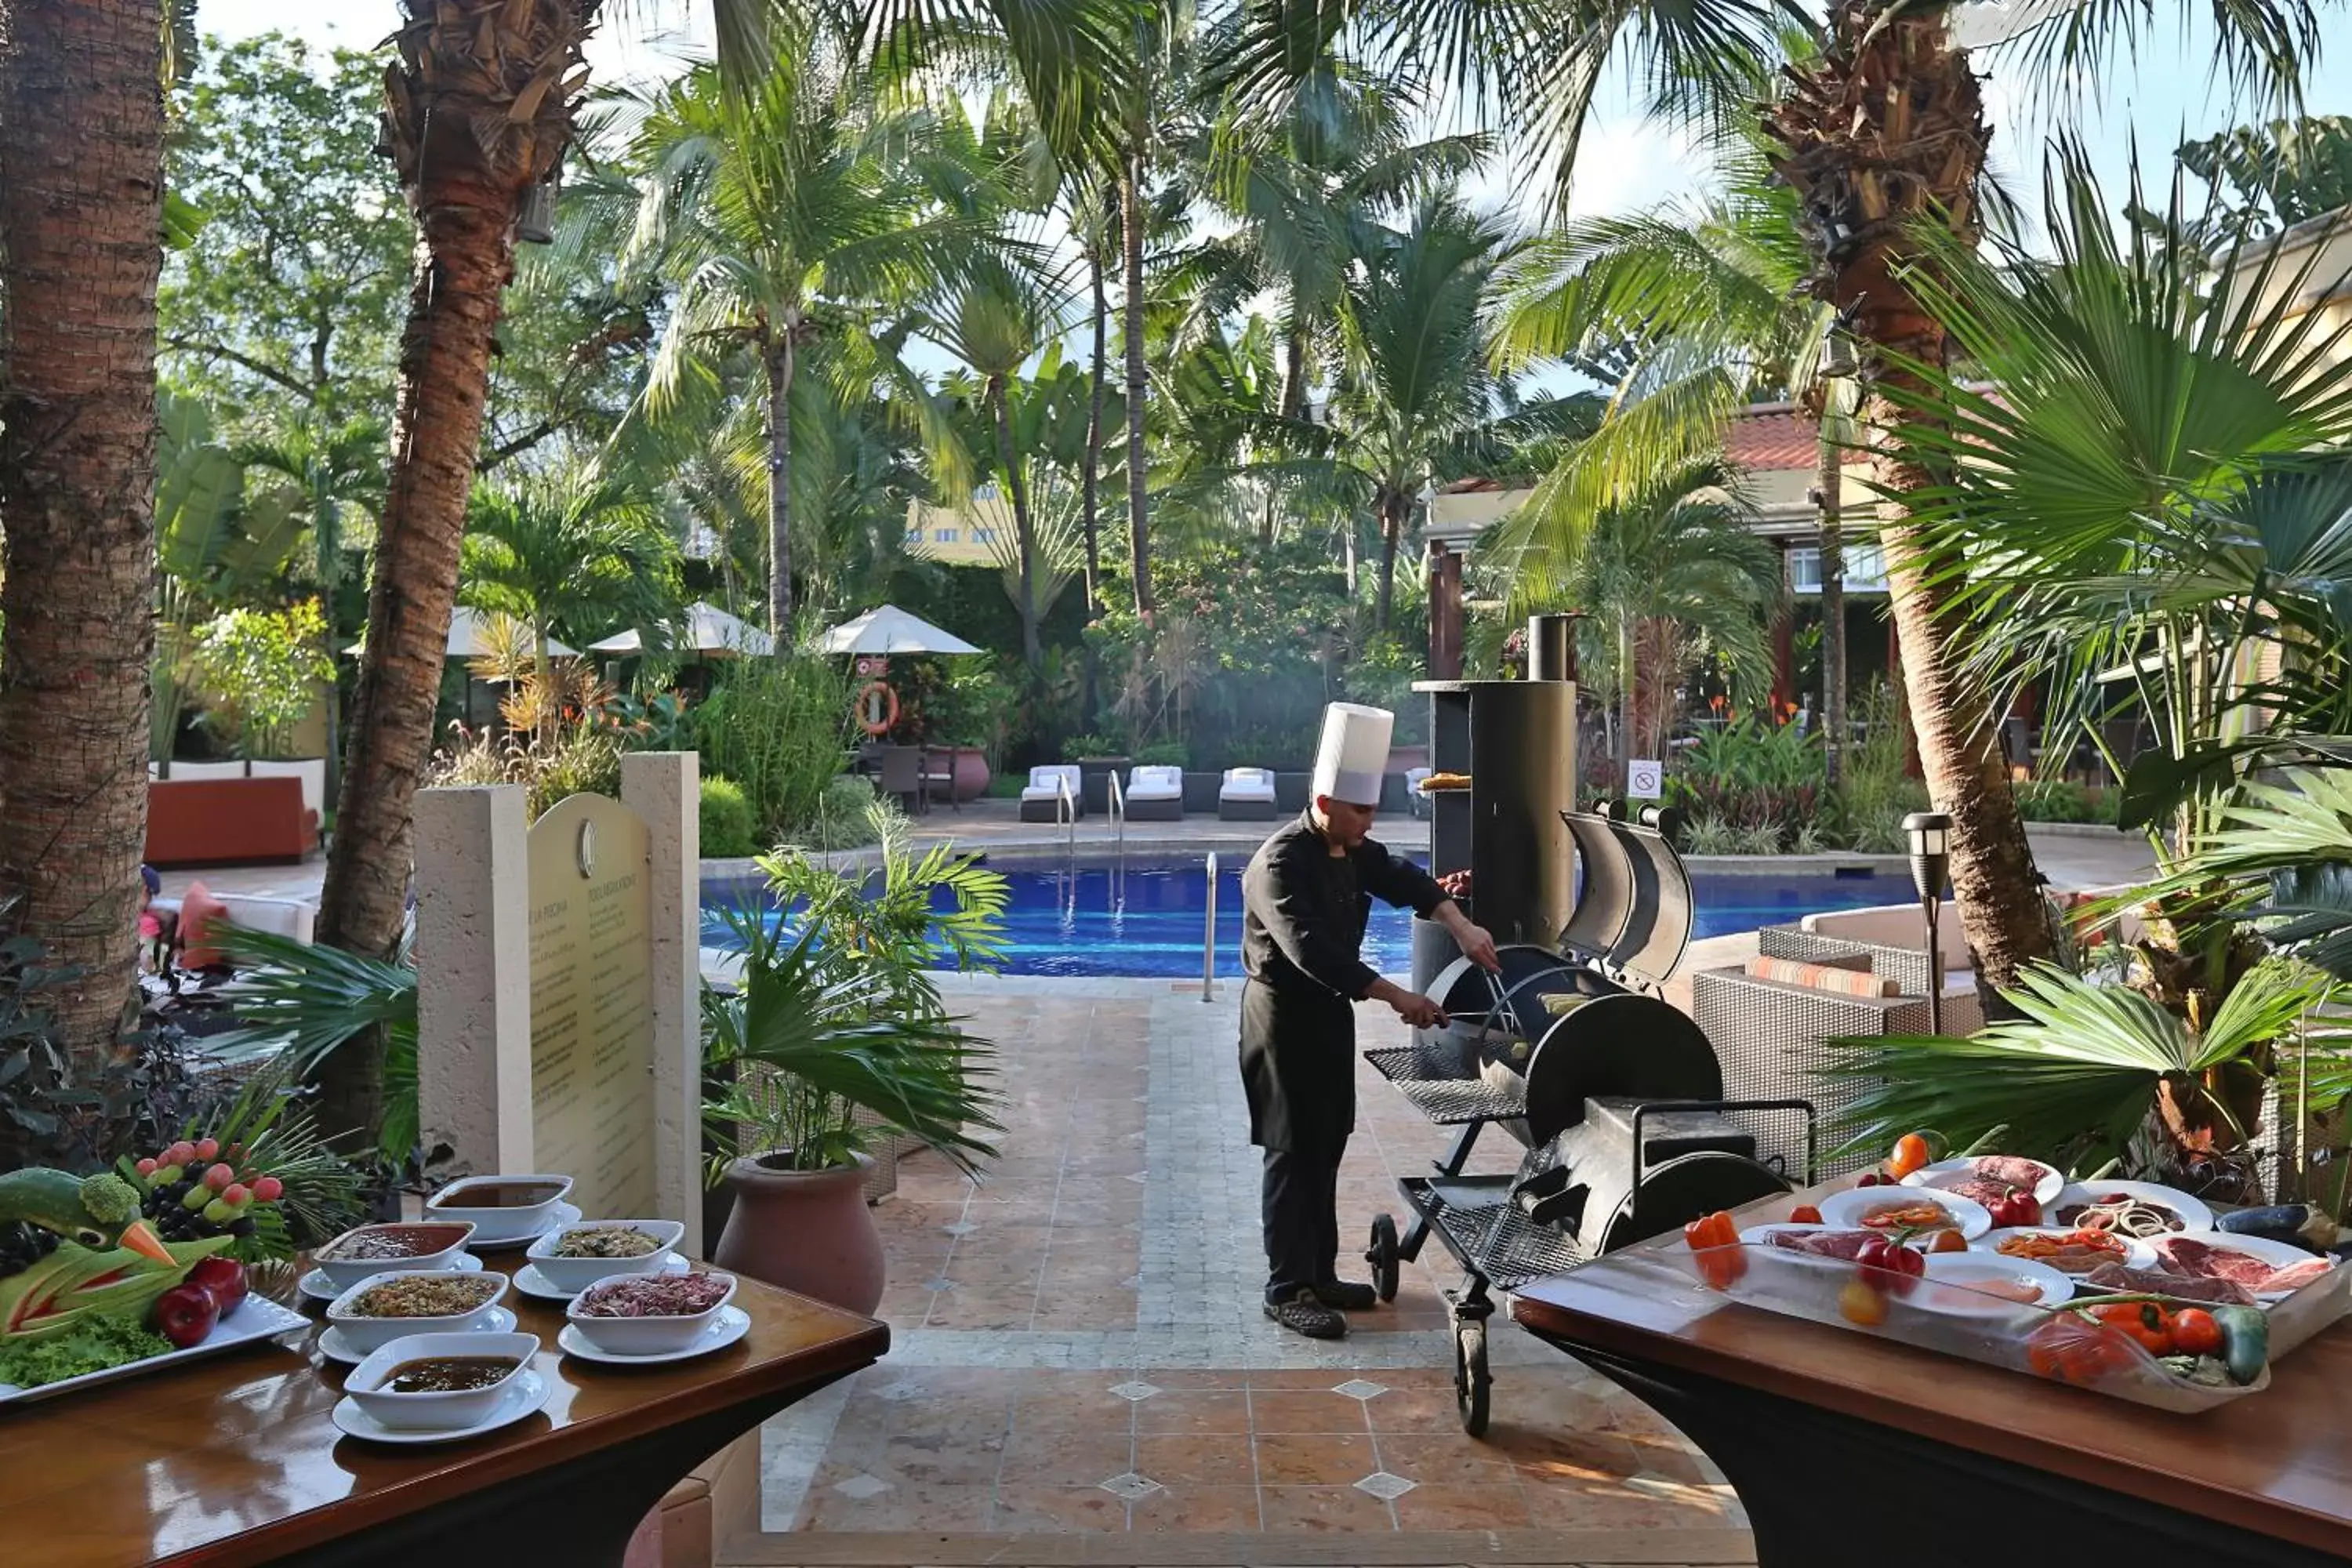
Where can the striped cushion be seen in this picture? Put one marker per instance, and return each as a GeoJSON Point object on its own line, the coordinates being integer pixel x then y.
{"type": "Point", "coordinates": [1842, 978]}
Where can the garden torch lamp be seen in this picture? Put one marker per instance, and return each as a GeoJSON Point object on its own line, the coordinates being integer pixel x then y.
{"type": "Point", "coordinates": [1930, 837]}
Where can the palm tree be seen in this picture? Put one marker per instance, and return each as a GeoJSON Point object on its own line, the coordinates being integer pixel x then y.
{"type": "Point", "coordinates": [578, 555]}
{"type": "Point", "coordinates": [1883, 139]}
{"type": "Point", "coordinates": [1670, 571]}
{"type": "Point", "coordinates": [81, 228]}
{"type": "Point", "coordinates": [798, 210]}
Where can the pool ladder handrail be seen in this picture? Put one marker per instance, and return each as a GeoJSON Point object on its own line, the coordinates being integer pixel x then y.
{"type": "Point", "coordinates": [1117, 812]}
{"type": "Point", "coordinates": [1209, 938]}
{"type": "Point", "coordinates": [1066, 806]}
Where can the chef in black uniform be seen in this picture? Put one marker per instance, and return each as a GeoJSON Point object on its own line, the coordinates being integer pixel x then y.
{"type": "Point", "coordinates": [1305, 899]}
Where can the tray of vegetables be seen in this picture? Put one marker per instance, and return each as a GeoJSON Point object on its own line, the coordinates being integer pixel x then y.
{"type": "Point", "coordinates": [2186, 1335]}
{"type": "Point", "coordinates": [130, 1272]}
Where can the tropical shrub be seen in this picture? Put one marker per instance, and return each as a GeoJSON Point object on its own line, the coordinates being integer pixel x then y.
{"type": "Point", "coordinates": [780, 728]}
{"type": "Point", "coordinates": [726, 820]}
{"type": "Point", "coordinates": [1164, 755]}
{"type": "Point", "coordinates": [2061, 800]}
{"type": "Point", "coordinates": [1753, 776]}
{"type": "Point", "coordinates": [843, 817]}
{"type": "Point", "coordinates": [260, 670]}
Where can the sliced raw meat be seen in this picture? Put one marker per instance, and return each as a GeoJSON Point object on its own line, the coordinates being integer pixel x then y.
{"type": "Point", "coordinates": [1845, 1244]}
{"type": "Point", "coordinates": [2294, 1276]}
{"type": "Point", "coordinates": [2123, 1280]}
{"type": "Point", "coordinates": [2011, 1170]}
{"type": "Point", "coordinates": [1981, 1189]}
{"type": "Point", "coordinates": [2186, 1255]}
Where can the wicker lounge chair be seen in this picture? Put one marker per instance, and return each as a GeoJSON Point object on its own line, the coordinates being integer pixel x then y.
{"type": "Point", "coordinates": [1247, 796]}
{"type": "Point", "coordinates": [1052, 792]}
{"type": "Point", "coordinates": [1155, 794]}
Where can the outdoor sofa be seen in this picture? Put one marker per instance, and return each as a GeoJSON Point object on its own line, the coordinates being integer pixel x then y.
{"type": "Point", "coordinates": [1050, 784]}
{"type": "Point", "coordinates": [1247, 796]}
{"type": "Point", "coordinates": [228, 822]}
{"type": "Point", "coordinates": [1155, 794]}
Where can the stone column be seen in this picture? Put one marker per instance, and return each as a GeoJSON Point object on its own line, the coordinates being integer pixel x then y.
{"type": "Point", "coordinates": [473, 963]}
{"type": "Point", "coordinates": [665, 788]}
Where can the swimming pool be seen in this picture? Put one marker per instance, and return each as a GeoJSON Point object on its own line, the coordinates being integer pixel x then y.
{"type": "Point", "coordinates": [1146, 918]}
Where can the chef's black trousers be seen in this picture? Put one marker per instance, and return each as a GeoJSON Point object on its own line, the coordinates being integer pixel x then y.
{"type": "Point", "coordinates": [1301, 1208]}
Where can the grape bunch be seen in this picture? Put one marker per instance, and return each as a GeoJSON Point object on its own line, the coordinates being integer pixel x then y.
{"type": "Point", "coordinates": [192, 1193]}
{"type": "Point", "coordinates": [24, 1243]}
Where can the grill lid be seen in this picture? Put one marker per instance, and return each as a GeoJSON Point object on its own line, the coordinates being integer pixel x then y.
{"type": "Point", "coordinates": [1652, 943]}
{"type": "Point", "coordinates": [1605, 894]}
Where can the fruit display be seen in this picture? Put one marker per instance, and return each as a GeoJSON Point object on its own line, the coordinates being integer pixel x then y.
{"type": "Point", "coordinates": [193, 1190]}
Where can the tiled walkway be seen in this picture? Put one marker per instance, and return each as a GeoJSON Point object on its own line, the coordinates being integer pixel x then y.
{"type": "Point", "coordinates": [1078, 1347]}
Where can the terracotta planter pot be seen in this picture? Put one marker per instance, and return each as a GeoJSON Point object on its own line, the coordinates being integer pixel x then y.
{"type": "Point", "coordinates": [808, 1231]}
{"type": "Point", "coordinates": [971, 775]}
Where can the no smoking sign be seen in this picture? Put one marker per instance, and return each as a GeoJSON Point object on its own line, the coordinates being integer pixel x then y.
{"type": "Point", "coordinates": [1645, 779]}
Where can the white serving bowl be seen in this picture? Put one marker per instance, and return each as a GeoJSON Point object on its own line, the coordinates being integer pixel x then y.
{"type": "Point", "coordinates": [1843, 1211]}
{"type": "Point", "coordinates": [366, 1334]}
{"type": "Point", "coordinates": [1971, 1271]}
{"type": "Point", "coordinates": [344, 1273]}
{"type": "Point", "coordinates": [576, 1274]}
{"type": "Point", "coordinates": [643, 1336]}
{"type": "Point", "coordinates": [2194, 1215]}
{"type": "Point", "coordinates": [2138, 1254]}
{"type": "Point", "coordinates": [434, 1412]}
{"type": "Point", "coordinates": [498, 1222]}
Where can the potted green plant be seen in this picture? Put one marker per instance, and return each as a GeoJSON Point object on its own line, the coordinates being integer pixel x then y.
{"type": "Point", "coordinates": [832, 1015]}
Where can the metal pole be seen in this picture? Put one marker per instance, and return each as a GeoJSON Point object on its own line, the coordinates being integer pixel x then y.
{"type": "Point", "coordinates": [1069, 822]}
{"type": "Point", "coordinates": [1934, 908]}
{"type": "Point", "coordinates": [1209, 938]}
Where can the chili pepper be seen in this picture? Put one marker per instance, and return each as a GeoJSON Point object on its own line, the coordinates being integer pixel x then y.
{"type": "Point", "coordinates": [2145, 1323]}
{"type": "Point", "coordinates": [2194, 1333]}
{"type": "Point", "coordinates": [1715, 1240]}
{"type": "Point", "coordinates": [1804, 1214]}
{"type": "Point", "coordinates": [1911, 1154]}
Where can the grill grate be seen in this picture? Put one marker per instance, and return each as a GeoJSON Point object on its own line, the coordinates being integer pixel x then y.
{"type": "Point", "coordinates": [1494, 1239]}
{"type": "Point", "coordinates": [1448, 1100]}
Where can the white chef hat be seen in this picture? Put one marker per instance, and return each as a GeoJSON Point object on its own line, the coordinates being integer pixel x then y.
{"type": "Point", "coordinates": [1354, 753]}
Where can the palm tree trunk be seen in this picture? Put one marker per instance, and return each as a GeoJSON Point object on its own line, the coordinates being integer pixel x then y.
{"type": "Point", "coordinates": [1829, 477]}
{"type": "Point", "coordinates": [1294, 368]}
{"type": "Point", "coordinates": [780, 365]}
{"type": "Point", "coordinates": [1886, 129]}
{"type": "Point", "coordinates": [82, 184]}
{"type": "Point", "coordinates": [1032, 650]}
{"type": "Point", "coordinates": [1138, 520]}
{"type": "Point", "coordinates": [1392, 511]}
{"type": "Point", "coordinates": [1096, 389]}
{"type": "Point", "coordinates": [465, 257]}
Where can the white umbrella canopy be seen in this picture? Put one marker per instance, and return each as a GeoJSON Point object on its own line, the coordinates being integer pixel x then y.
{"type": "Point", "coordinates": [469, 638]}
{"type": "Point", "coordinates": [888, 629]}
{"type": "Point", "coordinates": [709, 629]}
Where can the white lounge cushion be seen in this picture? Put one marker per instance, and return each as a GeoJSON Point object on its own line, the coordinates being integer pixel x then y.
{"type": "Point", "coordinates": [1051, 780]}
{"type": "Point", "coordinates": [312, 771]}
{"type": "Point", "coordinates": [1155, 782]}
{"type": "Point", "coordinates": [185, 771]}
{"type": "Point", "coordinates": [1247, 783]}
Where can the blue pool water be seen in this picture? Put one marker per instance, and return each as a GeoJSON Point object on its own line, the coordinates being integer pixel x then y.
{"type": "Point", "coordinates": [1147, 919]}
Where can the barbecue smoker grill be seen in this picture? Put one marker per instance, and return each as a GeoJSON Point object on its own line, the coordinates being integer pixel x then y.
{"type": "Point", "coordinates": [1615, 1094]}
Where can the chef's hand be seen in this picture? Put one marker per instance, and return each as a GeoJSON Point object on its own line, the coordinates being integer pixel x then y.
{"type": "Point", "coordinates": [1414, 1008]}
{"type": "Point", "coordinates": [1477, 944]}
{"type": "Point", "coordinates": [1456, 884]}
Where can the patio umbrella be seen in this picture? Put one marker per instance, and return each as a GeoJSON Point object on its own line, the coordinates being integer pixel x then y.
{"type": "Point", "coordinates": [466, 639]}
{"type": "Point", "coordinates": [888, 629]}
{"type": "Point", "coordinates": [709, 630]}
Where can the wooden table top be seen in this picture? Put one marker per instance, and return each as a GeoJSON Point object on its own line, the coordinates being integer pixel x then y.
{"type": "Point", "coordinates": [233, 1458]}
{"type": "Point", "coordinates": [2279, 1462]}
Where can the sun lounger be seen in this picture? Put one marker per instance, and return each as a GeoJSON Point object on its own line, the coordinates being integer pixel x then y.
{"type": "Point", "coordinates": [1155, 794]}
{"type": "Point", "coordinates": [1049, 786]}
{"type": "Point", "coordinates": [1247, 796]}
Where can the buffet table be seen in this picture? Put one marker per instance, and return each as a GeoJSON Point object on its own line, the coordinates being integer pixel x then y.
{"type": "Point", "coordinates": [234, 1461]}
{"type": "Point", "coordinates": [1850, 1449]}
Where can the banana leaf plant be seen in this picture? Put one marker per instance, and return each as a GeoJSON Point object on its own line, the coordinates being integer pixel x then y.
{"type": "Point", "coordinates": [2090, 1077]}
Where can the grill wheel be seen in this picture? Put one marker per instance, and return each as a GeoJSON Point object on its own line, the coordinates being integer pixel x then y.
{"type": "Point", "coordinates": [1471, 1382]}
{"type": "Point", "coordinates": [1382, 1255]}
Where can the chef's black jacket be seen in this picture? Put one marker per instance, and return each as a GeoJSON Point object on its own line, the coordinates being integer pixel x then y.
{"type": "Point", "coordinates": [1303, 915]}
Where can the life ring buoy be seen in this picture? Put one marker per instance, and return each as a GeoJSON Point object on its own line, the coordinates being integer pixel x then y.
{"type": "Point", "coordinates": [878, 722]}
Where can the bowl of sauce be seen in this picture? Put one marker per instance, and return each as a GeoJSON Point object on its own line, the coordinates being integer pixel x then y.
{"type": "Point", "coordinates": [440, 1381]}
{"type": "Point", "coordinates": [501, 1207]}
{"type": "Point", "coordinates": [389, 1248]}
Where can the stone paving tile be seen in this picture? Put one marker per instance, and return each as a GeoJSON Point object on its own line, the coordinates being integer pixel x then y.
{"type": "Point", "coordinates": [1074, 1350]}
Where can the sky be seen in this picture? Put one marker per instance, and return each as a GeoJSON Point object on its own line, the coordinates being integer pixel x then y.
{"type": "Point", "coordinates": [1628, 162]}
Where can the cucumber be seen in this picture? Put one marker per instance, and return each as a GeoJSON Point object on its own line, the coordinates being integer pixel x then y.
{"type": "Point", "coordinates": [2246, 1342]}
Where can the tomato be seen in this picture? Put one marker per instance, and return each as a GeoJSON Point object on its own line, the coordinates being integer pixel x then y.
{"type": "Point", "coordinates": [1911, 1154]}
{"type": "Point", "coordinates": [1870, 1179]}
{"type": "Point", "coordinates": [1804, 1214]}
{"type": "Point", "coordinates": [1949, 1241]}
{"type": "Point", "coordinates": [2194, 1333]}
{"type": "Point", "coordinates": [2071, 1350]}
{"type": "Point", "coordinates": [2145, 1323]}
{"type": "Point", "coordinates": [1858, 1303]}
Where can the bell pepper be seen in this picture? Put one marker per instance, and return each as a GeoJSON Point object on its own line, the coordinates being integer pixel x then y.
{"type": "Point", "coordinates": [1888, 1265]}
{"type": "Point", "coordinates": [1948, 1240]}
{"type": "Point", "coordinates": [1858, 1302]}
{"type": "Point", "coordinates": [2069, 1349]}
{"type": "Point", "coordinates": [2019, 1207]}
{"type": "Point", "coordinates": [1714, 1240]}
{"type": "Point", "coordinates": [1804, 1214]}
{"type": "Point", "coordinates": [2145, 1323]}
{"type": "Point", "coordinates": [1911, 1154]}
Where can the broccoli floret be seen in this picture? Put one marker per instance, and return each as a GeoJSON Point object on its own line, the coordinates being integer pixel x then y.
{"type": "Point", "coordinates": [109, 1200]}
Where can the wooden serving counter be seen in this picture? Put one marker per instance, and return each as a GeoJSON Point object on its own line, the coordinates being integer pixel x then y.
{"type": "Point", "coordinates": [1833, 1439]}
{"type": "Point", "coordinates": [234, 1461]}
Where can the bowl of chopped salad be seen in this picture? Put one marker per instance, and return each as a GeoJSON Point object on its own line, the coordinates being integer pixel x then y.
{"type": "Point", "coordinates": [573, 1257]}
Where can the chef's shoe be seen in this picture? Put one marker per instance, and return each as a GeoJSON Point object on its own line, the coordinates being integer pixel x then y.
{"type": "Point", "coordinates": [1303, 1314]}
{"type": "Point", "coordinates": [1346, 1296]}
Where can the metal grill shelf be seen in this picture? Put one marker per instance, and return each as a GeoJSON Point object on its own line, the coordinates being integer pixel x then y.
{"type": "Point", "coordinates": [1448, 1100]}
{"type": "Point", "coordinates": [1493, 1239]}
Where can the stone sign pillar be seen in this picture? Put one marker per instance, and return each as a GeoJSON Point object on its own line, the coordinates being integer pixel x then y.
{"type": "Point", "coordinates": [559, 1024]}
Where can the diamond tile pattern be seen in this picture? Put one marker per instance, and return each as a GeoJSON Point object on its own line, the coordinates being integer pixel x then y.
{"type": "Point", "coordinates": [1357, 1388]}
{"type": "Point", "coordinates": [1131, 1486]}
{"type": "Point", "coordinates": [1384, 1486]}
{"type": "Point", "coordinates": [1133, 1390]}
